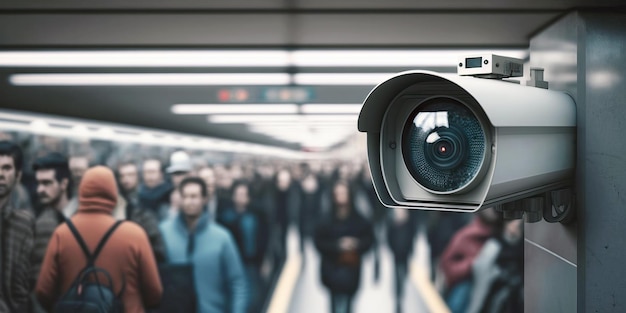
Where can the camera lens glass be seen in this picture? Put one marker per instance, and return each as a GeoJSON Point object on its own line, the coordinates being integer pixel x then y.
{"type": "Point", "coordinates": [443, 145]}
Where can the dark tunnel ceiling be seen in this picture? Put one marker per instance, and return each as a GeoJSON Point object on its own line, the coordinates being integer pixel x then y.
{"type": "Point", "coordinates": [195, 24]}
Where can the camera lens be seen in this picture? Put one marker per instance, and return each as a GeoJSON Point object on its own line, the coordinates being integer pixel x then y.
{"type": "Point", "coordinates": [448, 151]}
{"type": "Point", "coordinates": [443, 145]}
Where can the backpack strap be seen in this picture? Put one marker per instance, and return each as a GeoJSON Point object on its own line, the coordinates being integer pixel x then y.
{"type": "Point", "coordinates": [91, 258]}
{"type": "Point", "coordinates": [104, 240]}
{"type": "Point", "coordinates": [78, 237]}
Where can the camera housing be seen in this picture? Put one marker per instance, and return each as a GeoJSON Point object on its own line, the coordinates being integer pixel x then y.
{"type": "Point", "coordinates": [452, 143]}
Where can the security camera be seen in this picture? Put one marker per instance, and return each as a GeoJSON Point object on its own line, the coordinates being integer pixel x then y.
{"type": "Point", "coordinates": [457, 143]}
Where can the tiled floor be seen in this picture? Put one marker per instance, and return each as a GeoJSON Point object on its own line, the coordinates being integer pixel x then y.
{"type": "Point", "coordinates": [310, 296]}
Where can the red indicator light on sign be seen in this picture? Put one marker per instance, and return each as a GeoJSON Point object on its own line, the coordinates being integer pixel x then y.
{"type": "Point", "coordinates": [223, 95]}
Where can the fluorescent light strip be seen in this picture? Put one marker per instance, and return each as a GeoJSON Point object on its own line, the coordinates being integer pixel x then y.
{"type": "Point", "coordinates": [306, 138]}
{"type": "Point", "coordinates": [232, 119]}
{"type": "Point", "coordinates": [304, 127]}
{"type": "Point", "coordinates": [303, 137]}
{"type": "Point", "coordinates": [172, 79]}
{"type": "Point", "coordinates": [244, 58]}
{"type": "Point", "coordinates": [265, 108]}
{"type": "Point", "coordinates": [328, 108]}
{"type": "Point", "coordinates": [148, 79]}
{"type": "Point", "coordinates": [215, 58]}
{"type": "Point", "coordinates": [304, 134]}
{"type": "Point", "coordinates": [44, 125]}
{"type": "Point", "coordinates": [260, 108]}
{"type": "Point", "coordinates": [366, 79]}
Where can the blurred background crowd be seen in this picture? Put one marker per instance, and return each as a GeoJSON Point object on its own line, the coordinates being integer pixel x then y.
{"type": "Point", "coordinates": [475, 260]}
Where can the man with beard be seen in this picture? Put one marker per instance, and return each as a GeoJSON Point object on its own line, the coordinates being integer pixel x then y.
{"type": "Point", "coordinates": [193, 238]}
{"type": "Point", "coordinates": [53, 184]}
{"type": "Point", "coordinates": [16, 225]}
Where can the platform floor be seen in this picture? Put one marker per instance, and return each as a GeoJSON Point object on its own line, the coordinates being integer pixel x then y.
{"type": "Point", "coordinates": [310, 296]}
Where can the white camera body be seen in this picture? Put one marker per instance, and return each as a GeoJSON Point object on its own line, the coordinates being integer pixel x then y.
{"type": "Point", "coordinates": [454, 143]}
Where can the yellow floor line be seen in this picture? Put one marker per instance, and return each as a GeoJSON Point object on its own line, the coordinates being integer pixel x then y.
{"type": "Point", "coordinates": [286, 285]}
{"type": "Point", "coordinates": [427, 290]}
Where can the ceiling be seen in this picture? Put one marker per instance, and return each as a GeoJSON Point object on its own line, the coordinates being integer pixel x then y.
{"type": "Point", "coordinates": [291, 25]}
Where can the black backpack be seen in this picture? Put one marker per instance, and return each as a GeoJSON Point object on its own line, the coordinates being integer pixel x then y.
{"type": "Point", "coordinates": [88, 294]}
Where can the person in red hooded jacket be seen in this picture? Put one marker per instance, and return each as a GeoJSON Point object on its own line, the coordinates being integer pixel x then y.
{"type": "Point", "coordinates": [458, 257]}
{"type": "Point", "coordinates": [127, 255]}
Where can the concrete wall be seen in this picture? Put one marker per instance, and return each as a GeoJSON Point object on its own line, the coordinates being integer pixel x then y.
{"type": "Point", "coordinates": [579, 268]}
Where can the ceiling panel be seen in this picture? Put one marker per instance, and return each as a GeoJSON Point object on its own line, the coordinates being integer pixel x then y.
{"type": "Point", "coordinates": [455, 4]}
{"type": "Point", "coordinates": [301, 4]}
{"type": "Point", "coordinates": [435, 29]}
{"type": "Point", "coordinates": [271, 30]}
{"type": "Point", "coordinates": [282, 24]}
{"type": "Point", "coordinates": [142, 29]}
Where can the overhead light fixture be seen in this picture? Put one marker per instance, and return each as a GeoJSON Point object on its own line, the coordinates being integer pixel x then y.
{"type": "Point", "coordinates": [39, 125]}
{"type": "Point", "coordinates": [245, 58]}
{"type": "Point", "coordinates": [298, 122]}
{"type": "Point", "coordinates": [80, 131]}
{"type": "Point", "coordinates": [196, 79]}
{"type": "Point", "coordinates": [245, 119]}
{"type": "Point", "coordinates": [162, 79]}
{"type": "Point", "coordinates": [322, 143]}
{"type": "Point", "coordinates": [303, 134]}
{"type": "Point", "coordinates": [366, 79]}
{"type": "Point", "coordinates": [249, 108]}
{"type": "Point", "coordinates": [264, 108]}
{"type": "Point", "coordinates": [105, 132]}
{"type": "Point", "coordinates": [309, 138]}
{"type": "Point", "coordinates": [328, 108]}
{"type": "Point", "coordinates": [301, 127]}
{"type": "Point", "coordinates": [65, 127]}
{"type": "Point", "coordinates": [146, 58]}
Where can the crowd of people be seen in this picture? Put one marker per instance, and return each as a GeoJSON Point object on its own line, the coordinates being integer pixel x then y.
{"type": "Point", "coordinates": [222, 224]}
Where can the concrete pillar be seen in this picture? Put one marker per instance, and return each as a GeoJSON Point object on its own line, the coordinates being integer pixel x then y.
{"type": "Point", "coordinates": [581, 267]}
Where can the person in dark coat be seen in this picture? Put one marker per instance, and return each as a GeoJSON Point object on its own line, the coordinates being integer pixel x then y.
{"type": "Point", "coordinates": [215, 203]}
{"type": "Point", "coordinates": [249, 227]}
{"type": "Point", "coordinates": [401, 228]}
{"type": "Point", "coordinates": [128, 180]}
{"type": "Point", "coordinates": [53, 185]}
{"type": "Point", "coordinates": [342, 239]}
{"type": "Point", "coordinates": [128, 207]}
{"type": "Point", "coordinates": [285, 204]}
{"type": "Point", "coordinates": [155, 191]}
{"type": "Point", "coordinates": [310, 208]}
{"type": "Point", "coordinates": [17, 229]}
{"type": "Point", "coordinates": [147, 220]}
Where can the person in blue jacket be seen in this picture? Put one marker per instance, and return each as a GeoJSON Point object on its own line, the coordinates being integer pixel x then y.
{"type": "Point", "coordinates": [192, 236]}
